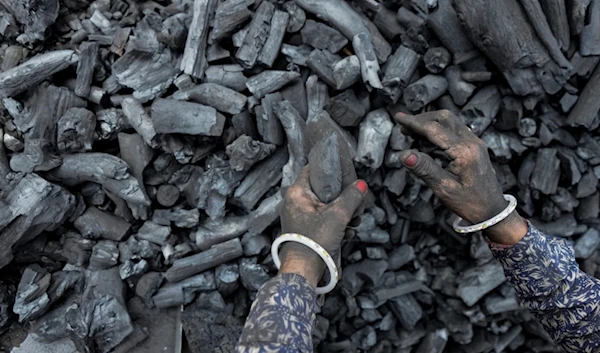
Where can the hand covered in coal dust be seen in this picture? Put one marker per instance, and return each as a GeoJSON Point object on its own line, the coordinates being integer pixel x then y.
{"type": "Point", "coordinates": [468, 186]}
{"type": "Point", "coordinates": [303, 213]}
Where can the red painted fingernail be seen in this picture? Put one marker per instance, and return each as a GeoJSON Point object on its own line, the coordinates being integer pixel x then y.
{"type": "Point", "coordinates": [411, 161]}
{"type": "Point", "coordinates": [362, 186]}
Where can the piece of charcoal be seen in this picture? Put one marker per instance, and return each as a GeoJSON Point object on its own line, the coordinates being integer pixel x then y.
{"type": "Point", "coordinates": [269, 126]}
{"type": "Point", "coordinates": [215, 53]}
{"type": "Point", "coordinates": [322, 62]}
{"type": "Point", "coordinates": [374, 135]}
{"type": "Point", "coordinates": [75, 130]}
{"type": "Point", "coordinates": [96, 224]}
{"type": "Point", "coordinates": [32, 299]}
{"type": "Point", "coordinates": [459, 89]}
{"type": "Point", "coordinates": [227, 278]}
{"type": "Point", "coordinates": [295, 93]}
{"type": "Point", "coordinates": [105, 254]}
{"type": "Point", "coordinates": [194, 61]}
{"type": "Point", "coordinates": [437, 59]}
{"type": "Point", "coordinates": [476, 76]}
{"type": "Point", "coordinates": [229, 16]}
{"type": "Point", "coordinates": [398, 140]}
{"type": "Point", "coordinates": [346, 72]}
{"type": "Point", "coordinates": [587, 107]}
{"type": "Point", "coordinates": [434, 342]}
{"type": "Point", "coordinates": [400, 256]}
{"type": "Point", "coordinates": [565, 200]}
{"type": "Point", "coordinates": [424, 91]}
{"type": "Point", "coordinates": [587, 244]}
{"type": "Point", "coordinates": [346, 109]}
{"type": "Point", "coordinates": [326, 169]}
{"type": "Point", "coordinates": [589, 208]}
{"type": "Point", "coordinates": [191, 265]}
{"type": "Point", "coordinates": [269, 81]}
{"type": "Point", "coordinates": [407, 310]}
{"type": "Point", "coordinates": [35, 70]}
{"type": "Point", "coordinates": [546, 173]}
{"type": "Point", "coordinates": [317, 96]}
{"type": "Point", "coordinates": [85, 68]}
{"type": "Point", "coordinates": [388, 24]}
{"type": "Point", "coordinates": [587, 185]}
{"type": "Point", "coordinates": [225, 100]}
{"type": "Point", "coordinates": [140, 120]}
{"type": "Point", "coordinates": [320, 36]}
{"type": "Point", "coordinates": [243, 124]}
{"type": "Point", "coordinates": [297, 17]}
{"type": "Point", "coordinates": [258, 33]}
{"type": "Point", "coordinates": [446, 24]}
{"type": "Point", "coordinates": [395, 181]}
{"type": "Point", "coordinates": [167, 195]}
{"type": "Point", "coordinates": [171, 116]}
{"type": "Point", "coordinates": [296, 54]}
{"type": "Point", "coordinates": [298, 145]}
{"type": "Point", "coordinates": [476, 282]}
{"type": "Point", "coordinates": [252, 275]}
{"type": "Point", "coordinates": [244, 152]}
{"type": "Point", "coordinates": [527, 127]}
{"type": "Point", "coordinates": [255, 244]}
{"type": "Point", "coordinates": [369, 65]}
{"type": "Point", "coordinates": [400, 68]}
{"type": "Point", "coordinates": [365, 338]}
{"type": "Point", "coordinates": [271, 48]}
{"type": "Point", "coordinates": [231, 76]}
{"type": "Point", "coordinates": [264, 176]}
{"type": "Point", "coordinates": [590, 33]}
{"type": "Point", "coordinates": [184, 292]}
{"type": "Point", "coordinates": [481, 109]}
{"type": "Point", "coordinates": [510, 114]}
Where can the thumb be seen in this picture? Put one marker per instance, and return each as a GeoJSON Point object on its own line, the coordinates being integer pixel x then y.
{"type": "Point", "coordinates": [423, 166]}
{"type": "Point", "coordinates": [350, 199]}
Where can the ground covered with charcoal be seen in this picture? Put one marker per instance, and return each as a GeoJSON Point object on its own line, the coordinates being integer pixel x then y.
{"type": "Point", "coordinates": [145, 145]}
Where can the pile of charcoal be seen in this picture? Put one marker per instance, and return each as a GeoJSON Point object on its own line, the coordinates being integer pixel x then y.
{"type": "Point", "coordinates": [146, 145]}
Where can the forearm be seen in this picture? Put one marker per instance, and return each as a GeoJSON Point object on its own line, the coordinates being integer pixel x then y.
{"type": "Point", "coordinates": [549, 282]}
{"type": "Point", "coordinates": [281, 317]}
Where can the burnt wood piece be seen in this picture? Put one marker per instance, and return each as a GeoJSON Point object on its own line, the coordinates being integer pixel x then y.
{"type": "Point", "coordinates": [409, 19]}
{"type": "Point", "coordinates": [476, 282]}
{"type": "Point", "coordinates": [105, 254]}
{"type": "Point", "coordinates": [346, 109]}
{"type": "Point", "coordinates": [243, 124]}
{"type": "Point", "coordinates": [538, 20]}
{"type": "Point", "coordinates": [120, 40]}
{"type": "Point", "coordinates": [424, 91]}
{"type": "Point", "coordinates": [36, 16]}
{"type": "Point", "coordinates": [321, 62]}
{"type": "Point", "coordinates": [225, 100]}
{"type": "Point", "coordinates": [298, 145]}
{"type": "Point", "coordinates": [375, 132]}
{"type": "Point", "coordinates": [269, 127]}
{"type": "Point", "coordinates": [320, 36]}
{"type": "Point", "coordinates": [434, 342]}
{"type": "Point", "coordinates": [171, 117]}
{"type": "Point", "coordinates": [317, 96]}
{"type": "Point", "coordinates": [387, 22]}
{"type": "Point", "coordinates": [216, 255]}
{"type": "Point", "coordinates": [75, 130]}
{"type": "Point", "coordinates": [476, 76]}
{"type": "Point", "coordinates": [400, 68]}
{"type": "Point", "coordinates": [85, 68]}
{"type": "Point", "coordinates": [589, 208]}
{"type": "Point", "coordinates": [445, 23]}
{"type": "Point", "coordinates": [577, 15]}
{"type": "Point", "coordinates": [348, 21]}
{"type": "Point", "coordinates": [245, 152]}
{"type": "Point", "coordinates": [140, 120]}
{"type": "Point", "coordinates": [481, 109]}
{"type": "Point", "coordinates": [154, 233]}
{"type": "Point", "coordinates": [231, 76]}
{"type": "Point", "coordinates": [295, 93]}
{"type": "Point", "coordinates": [588, 106]}
{"type": "Point", "coordinates": [229, 16]}
{"type": "Point", "coordinates": [556, 14]}
{"type": "Point", "coordinates": [511, 112]}
{"type": "Point", "coordinates": [326, 169]}
{"type": "Point", "coordinates": [269, 81]}
{"type": "Point", "coordinates": [149, 74]}
{"type": "Point", "coordinates": [437, 59]}
{"type": "Point", "coordinates": [227, 278]}
{"type": "Point", "coordinates": [213, 232]}
{"type": "Point", "coordinates": [95, 224]}
{"type": "Point", "coordinates": [590, 33]}
{"type": "Point", "coordinates": [258, 33]}
{"type": "Point", "coordinates": [137, 154]}
{"type": "Point", "coordinates": [546, 173]}
{"type": "Point", "coordinates": [272, 46]}
{"type": "Point", "coordinates": [459, 89]}
{"type": "Point", "coordinates": [346, 72]}
{"type": "Point", "coordinates": [109, 171]}
{"type": "Point", "coordinates": [369, 66]}
{"type": "Point", "coordinates": [407, 310]}
{"type": "Point", "coordinates": [398, 140]}
{"type": "Point", "coordinates": [194, 61]}
{"type": "Point", "coordinates": [12, 57]}
{"type": "Point", "coordinates": [264, 176]}
{"type": "Point", "coordinates": [184, 292]}
{"type": "Point", "coordinates": [179, 216]}
{"type": "Point", "coordinates": [501, 31]}
{"type": "Point", "coordinates": [297, 16]}
{"type": "Point", "coordinates": [215, 53]}
{"type": "Point", "coordinates": [296, 54]}
{"type": "Point", "coordinates": [35, 70]}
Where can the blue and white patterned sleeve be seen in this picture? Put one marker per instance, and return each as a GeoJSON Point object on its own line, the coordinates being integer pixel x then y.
{"type": "Point", "coordinates": [281, 317]}
{"type": "Point", "coordinates": [564, 299]}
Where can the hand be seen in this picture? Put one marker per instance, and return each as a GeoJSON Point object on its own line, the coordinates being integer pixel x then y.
{"type": "Point", "coordinates": [468, 186]}
{"type": "Point", "coordinates": [303, 213]}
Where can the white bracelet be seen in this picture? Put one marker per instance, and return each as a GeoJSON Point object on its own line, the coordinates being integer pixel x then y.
{"type": "Point", "coordinates": [333, 271]}
{"type": "Point", "coordinates": [512, 204]}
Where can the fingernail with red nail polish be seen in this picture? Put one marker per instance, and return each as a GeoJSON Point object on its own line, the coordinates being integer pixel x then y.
{"type": "Point", "coordinates": [362, 186]}
{"type": "Point", "coordinates": [411, 161]}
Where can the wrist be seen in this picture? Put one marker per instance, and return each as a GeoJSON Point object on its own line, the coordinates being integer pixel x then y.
{"type": "Point", "coordinates": [301, 260]}
{"type": "Point", "coordinates": [509, 231]}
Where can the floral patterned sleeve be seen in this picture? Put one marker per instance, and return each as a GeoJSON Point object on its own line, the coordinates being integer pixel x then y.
{"type": "Point", "coordinates": [564, 299]}
{"type": "Point", "coordinates": [281, 317]}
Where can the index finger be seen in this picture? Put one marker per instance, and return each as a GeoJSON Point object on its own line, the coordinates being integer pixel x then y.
{"type": "Point", "coordinates": [427, 126]}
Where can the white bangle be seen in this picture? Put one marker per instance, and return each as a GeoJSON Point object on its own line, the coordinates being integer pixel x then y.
{"type": "Point", "coordinates": [333, 271]}
{"type": "Point", "coordinates": [512, 204]}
